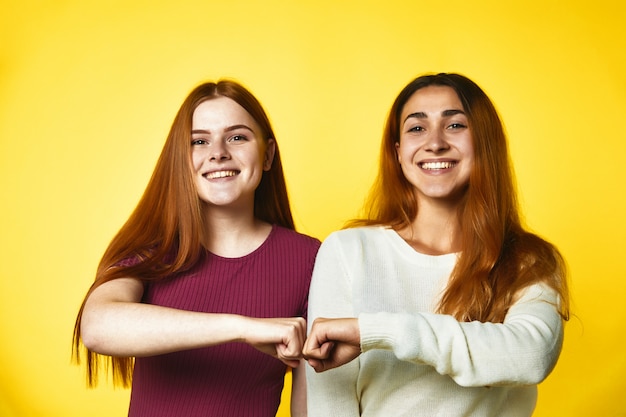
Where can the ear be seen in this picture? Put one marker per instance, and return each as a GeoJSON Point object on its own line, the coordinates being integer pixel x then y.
{"type": "Point", "coordinates": [398, 153]}
{"type": "Point", "coordinates": [270, 150]}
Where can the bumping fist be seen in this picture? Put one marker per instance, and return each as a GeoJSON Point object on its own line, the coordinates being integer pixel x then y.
{"type": "Point", "coordinates": [282, 338]}
{"type": "Point", "coordinates": [332, 343]}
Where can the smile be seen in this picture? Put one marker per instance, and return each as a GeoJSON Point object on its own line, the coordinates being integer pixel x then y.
{"type": "Point", "coordinates": [437, 165]}
{"type": "Point", "coordinates": [220, 174]}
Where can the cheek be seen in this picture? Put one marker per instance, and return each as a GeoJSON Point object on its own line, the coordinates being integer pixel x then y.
{"type": "Point", "coordinates": [197, 158]}
{"type": "Point", "coordinates": [471, 158]}
{"type": "Point", "coordinates": [469, 145]}
{"type": "Point", "coordinates": [258, 158]}
{"type": "Point", "coordinates": [405, 153]}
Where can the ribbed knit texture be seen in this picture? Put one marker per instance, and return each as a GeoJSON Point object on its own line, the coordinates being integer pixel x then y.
{"type": "Point", "coordinates": [232, 379]}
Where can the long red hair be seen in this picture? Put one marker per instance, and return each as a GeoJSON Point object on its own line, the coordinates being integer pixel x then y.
{"type": "Point", "coordinates": [499, 257]}
{"type": "Point", "coordinates": [163, 235]}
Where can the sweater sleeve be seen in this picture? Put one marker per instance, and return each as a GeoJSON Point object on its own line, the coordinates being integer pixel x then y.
{"type": "Point", "coordinates": [522, 350]}
{"type": "Point", "coordinates": [333, 392]}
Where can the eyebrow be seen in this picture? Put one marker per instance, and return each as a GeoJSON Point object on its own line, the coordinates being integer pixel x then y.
{"type": "Point", "coordinates": [422, 115]}
{"type": "Point", "coordinates": [228, 129]}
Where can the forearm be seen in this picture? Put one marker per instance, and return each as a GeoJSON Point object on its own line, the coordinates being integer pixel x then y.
{"type": "Point", "coordinates": [115, 322]}
{"type": "Point", "coordinates": [522, 350]}
{"type": "Point", "coordinates": [135, 329]}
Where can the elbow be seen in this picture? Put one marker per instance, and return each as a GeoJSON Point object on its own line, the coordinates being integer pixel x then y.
{"type": "Point", "coordinates": [540, 354]}
{"type": "Point", "coordinates": [539, 369]}
{"type": "Point", "coordinates": [532, 375]}
{"type": "Point", "coordinates": [527, 377]}
{"type": "Point", "coordinates": [542, 364]}
{"type": "Point", "coordinates": [95, 335]}
{"type": "Point", "coordinates": [99, 329]}
{"type": "Point", "coordinates": [92, 339]}
{"type": "Point", "coordinates": [539, 376]}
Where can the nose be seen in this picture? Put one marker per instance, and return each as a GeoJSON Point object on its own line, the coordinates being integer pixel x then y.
{"type": "Point", "coordinates": [436, 142]}
{"type": "Point", "coordinates": [218, 151]}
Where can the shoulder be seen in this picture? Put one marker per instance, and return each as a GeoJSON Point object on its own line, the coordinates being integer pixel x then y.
{"type": "Point", "coordinates": [357, 235]}
{"type": "Point", "coordinates": [286, 236]}
{"type": "Point", "coordinates": [354, 242]}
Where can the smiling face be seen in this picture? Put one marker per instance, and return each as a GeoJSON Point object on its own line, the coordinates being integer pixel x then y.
{"type": "Point", "coordinates": [435, 150]}
{"type": "Point", "coordinates": [229, 153]}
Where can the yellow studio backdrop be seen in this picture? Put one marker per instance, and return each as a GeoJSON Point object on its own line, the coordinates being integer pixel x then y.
{"type": "Point", "coordinates": [88, 91]}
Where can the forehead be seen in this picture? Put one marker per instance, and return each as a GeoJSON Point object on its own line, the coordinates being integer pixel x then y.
{"type": "Point", "coordinates": [221, 112]}
{"type": "Point", "coordinates": [431, 99]}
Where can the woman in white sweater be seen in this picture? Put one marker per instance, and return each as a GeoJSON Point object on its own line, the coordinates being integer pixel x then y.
{"type": "Point", "coordinates": [438, 302]}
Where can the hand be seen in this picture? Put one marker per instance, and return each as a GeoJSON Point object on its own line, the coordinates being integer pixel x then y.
{"type": "Point", "coordinates": [332, 343]}
{"type": "Point", "coordinates": [281, 338]}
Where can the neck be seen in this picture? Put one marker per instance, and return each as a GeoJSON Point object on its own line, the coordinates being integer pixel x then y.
{"type": "Point", "coordinates": [435, 230]}
{"type": "Point", "coordinates": [231, 233]}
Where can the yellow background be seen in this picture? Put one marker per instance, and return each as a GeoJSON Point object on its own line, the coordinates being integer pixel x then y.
{"type": "Point", "coordinates": [88, 90]}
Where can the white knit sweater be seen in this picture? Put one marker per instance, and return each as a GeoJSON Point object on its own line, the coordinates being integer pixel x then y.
{"type": "Point", "coordinates": [415, 362]}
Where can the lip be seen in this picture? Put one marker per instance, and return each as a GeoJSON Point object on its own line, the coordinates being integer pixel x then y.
{"type": "Point", "coordinates": [219, 174]}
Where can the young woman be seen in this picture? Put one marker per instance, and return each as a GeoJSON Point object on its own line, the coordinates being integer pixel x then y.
{"type": "Point", "coordinates": [205, 287]}
{"type": "Point", "coordinates": [440, 303]}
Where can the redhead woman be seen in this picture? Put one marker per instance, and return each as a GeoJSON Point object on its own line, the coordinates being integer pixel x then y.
{"type": "Point", "coordinates": [439, 302]}
{"type": "Point", "coordinates": [199, 300]}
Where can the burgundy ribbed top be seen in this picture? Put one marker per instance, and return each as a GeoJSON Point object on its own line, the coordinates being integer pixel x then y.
{"type": "Point", "coordinates": [233, 379]}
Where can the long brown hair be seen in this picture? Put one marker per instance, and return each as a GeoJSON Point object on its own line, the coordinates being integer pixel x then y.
{"type": "Point", "coordinates": [163, 234]}
{"type": "Point", "coordinates": [499, 257]}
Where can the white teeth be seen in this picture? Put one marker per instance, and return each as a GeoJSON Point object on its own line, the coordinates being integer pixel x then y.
{"type": "Point", "coordinates": [220, 174]}
{"type": "Point", "coordinates": [437, 165]}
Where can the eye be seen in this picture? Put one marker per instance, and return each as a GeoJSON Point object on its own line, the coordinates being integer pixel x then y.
{"type": "Point", "coordinates": [197, 142]}
{"type": "Point", "coordinates": [416, 129]}
{"type": "Point", "coordinates": [237, 138]}
{"type": "Point", "coordinates": [457, 126]}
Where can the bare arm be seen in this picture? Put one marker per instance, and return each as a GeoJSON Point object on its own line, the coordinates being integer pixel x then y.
{"type": "Point", "coordinates": [115, 322]}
